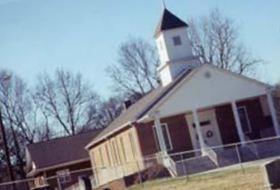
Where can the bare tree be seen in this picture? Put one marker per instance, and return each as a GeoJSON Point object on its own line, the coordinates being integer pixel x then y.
{"type": "Point", "coordinates": [67, 101]}
{"type": "Point", "coordinates": [109, 110]}
{"type": "Point", "coordinates": [216, 40]}
{"type": "Point", "coordinates": [17, 109]}
{"type": "Point", "coordinates": [135, 71]}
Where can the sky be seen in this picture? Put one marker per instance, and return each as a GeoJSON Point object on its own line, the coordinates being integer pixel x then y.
{"type": "Point", "coordinates": [39, 36]}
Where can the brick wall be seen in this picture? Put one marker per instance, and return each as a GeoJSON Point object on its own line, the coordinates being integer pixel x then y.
{"type": "Point", "coordinates": [147, 139]}
{"type": "Point", "coordinates": [277, 101]}
{"type": "Point", "coordinates": [179, 133]}
{"type": "Point", "coordinates": [256, 117]}
{"type": "Point", "coordinates": [74, 177]}
{"type": "Point", "coordinates": [226, 124]}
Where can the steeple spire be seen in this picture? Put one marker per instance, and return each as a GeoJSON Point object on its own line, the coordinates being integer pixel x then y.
{"type": "Point", "coordinates": [169, 21]}
{"type": "Point", "coordinates": [163, 4]}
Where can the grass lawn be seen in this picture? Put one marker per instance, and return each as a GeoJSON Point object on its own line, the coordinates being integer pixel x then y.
{"type": "Point", "coordinates": [251, 178]}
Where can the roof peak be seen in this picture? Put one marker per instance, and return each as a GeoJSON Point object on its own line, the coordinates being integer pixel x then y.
{"type": "Point", "coordinates": [163, 4]}
{"type": "Point", "coordinates": [169, 21]}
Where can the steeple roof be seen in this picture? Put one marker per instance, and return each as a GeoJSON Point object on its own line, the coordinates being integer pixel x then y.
{"type": "Point", "coordinates": [169, 21]}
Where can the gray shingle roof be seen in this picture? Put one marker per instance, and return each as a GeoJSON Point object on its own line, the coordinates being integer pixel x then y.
{"type": "Point", "coordinates": [130, 115]}
{"type": "Point", "coordinates": [137, 110]}
{"type": "Point", "coordinates": [169, 21]}
{"type": "Point", "coordinates": [60, 150]}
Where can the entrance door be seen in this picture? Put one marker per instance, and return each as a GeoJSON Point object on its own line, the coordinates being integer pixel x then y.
{"type": "Point", "coordinates": [209, 128]}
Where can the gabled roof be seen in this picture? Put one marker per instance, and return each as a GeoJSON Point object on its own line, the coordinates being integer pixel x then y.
{"type": "Point", "coordinates": [142, 107]}
{"type": "Point", "coordinates": [169, 21]}
{"type": "Point", "coordinates": [135, 111]}
{"type": "Point", "coordinates": [59, 151]}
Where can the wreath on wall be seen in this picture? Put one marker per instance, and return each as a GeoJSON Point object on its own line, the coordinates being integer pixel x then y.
{"type": "Point", "coordinates": [209, 133]}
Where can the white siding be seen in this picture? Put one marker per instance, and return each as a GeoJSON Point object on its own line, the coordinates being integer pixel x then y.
{"type": "Point", "coordinates": [200, 91]}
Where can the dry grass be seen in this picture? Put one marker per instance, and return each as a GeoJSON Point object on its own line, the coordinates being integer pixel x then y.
{"type": "Point", "coordinates": [250, 178]}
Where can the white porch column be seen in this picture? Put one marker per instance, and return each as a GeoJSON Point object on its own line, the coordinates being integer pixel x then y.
{"type": "Point", "coordinates": [159, 133]}
{"type": "Point", "coordinates": [238, 122]}
{"type": "Point", "coordinates": [273, 112]}
{"type": "Point", "coordinates": [198, 129]}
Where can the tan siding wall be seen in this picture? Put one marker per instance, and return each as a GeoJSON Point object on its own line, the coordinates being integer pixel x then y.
{"type": "Point", "coordinates": [120, 159]}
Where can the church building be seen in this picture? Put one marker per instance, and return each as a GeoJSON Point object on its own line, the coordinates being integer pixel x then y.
{"type": "Point", "coordinates": [189, 122]}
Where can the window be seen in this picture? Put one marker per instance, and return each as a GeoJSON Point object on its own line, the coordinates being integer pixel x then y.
{"type": "Point", "coordinates": [40, 181]}
{"type": "Point", "coordinates": [123, 149]}
{"type": "Point", "coordinates": [101, 157]}
{"type": "Point", "coordinates": [132, 143]}
{"type": "Point", "coordinates": [156, 137]}
{"type": "Point", "coordinates": [177, 40]}
{"type": "Point", "coordinates": [64, 176]}
{"type": "Point", "coordinates": [166, 136]}
{"type": "Point", "coordinates": [116, 151]}
{"type": "Point", "coordinates": [244, 119]}
{"type": "Point", "coordinates": [108, 155]}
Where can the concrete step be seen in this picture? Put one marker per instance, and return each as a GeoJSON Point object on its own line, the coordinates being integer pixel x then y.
{"type": "Point", "coordinates": [193, 166]}
{"type": "Point", "coordinates": [246, 154]}
{"type": "Point", "coordinates": [269, 148]}
{"type": "Point", "coordinates": [227, 157]}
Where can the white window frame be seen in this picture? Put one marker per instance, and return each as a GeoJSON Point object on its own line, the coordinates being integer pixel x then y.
{"type": "Point", "coordinates": [132, 144]}
{"type": "Point", "coordinates": [168, 136]}
{"type": "Point", "coordinates": [102, 163]}
{"type": "Point", "coordinates": [247, 119]}
{"type": "Point", "coordinates": [115, 157]}
{"type": "Point", "coordinates": [64, 176]}
{"type": "Point", "coordinates": [123, 149]}
{"type": "Point", "coordinates": [108, 154]}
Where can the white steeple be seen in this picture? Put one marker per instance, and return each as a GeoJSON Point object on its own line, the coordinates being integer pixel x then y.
{"type": "Point", "coordinates": [174, 47]}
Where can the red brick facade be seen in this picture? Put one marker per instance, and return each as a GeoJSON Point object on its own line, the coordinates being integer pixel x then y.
{"type": "Point", "coordinates": [180, 135]}
{"type": "Point", "coordinates": [226, 124]}
{"type": "Point", "coordinates": [256, 116]}
{"type": "Point", "coordinates": [146, 138]}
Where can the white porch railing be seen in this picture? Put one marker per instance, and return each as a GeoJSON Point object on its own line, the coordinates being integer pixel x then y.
{"type": "Point", "coordinates": [211, 154]}
{"type": "Point", "coordinates": [172, 166]}
{"type": "Point", "coordinates": [165, 159]}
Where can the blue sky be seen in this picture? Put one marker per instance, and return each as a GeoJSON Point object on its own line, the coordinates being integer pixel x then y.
{"type": "Point", "coordinates": [39, 36]}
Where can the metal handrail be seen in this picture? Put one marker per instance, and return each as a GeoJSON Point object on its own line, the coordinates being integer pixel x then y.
{"type": "Point", "coordinates": [171, 165]}
{"type": "Point", "coordinates": [211, 154]}
{"type": "Point", "coordinates": [153, 156]}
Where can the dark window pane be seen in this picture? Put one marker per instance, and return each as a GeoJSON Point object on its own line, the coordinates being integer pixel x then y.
{"type": "Point", "coordinates": [177, 40]}
{"type": "Point", "coordinates": [166, 136]}
{"type": "Point", "coordinates": [242, 112]}
{"type": "Point", "coordinates": [165, 133]}
{"type": "Point", "coordinates": [156, 138]}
